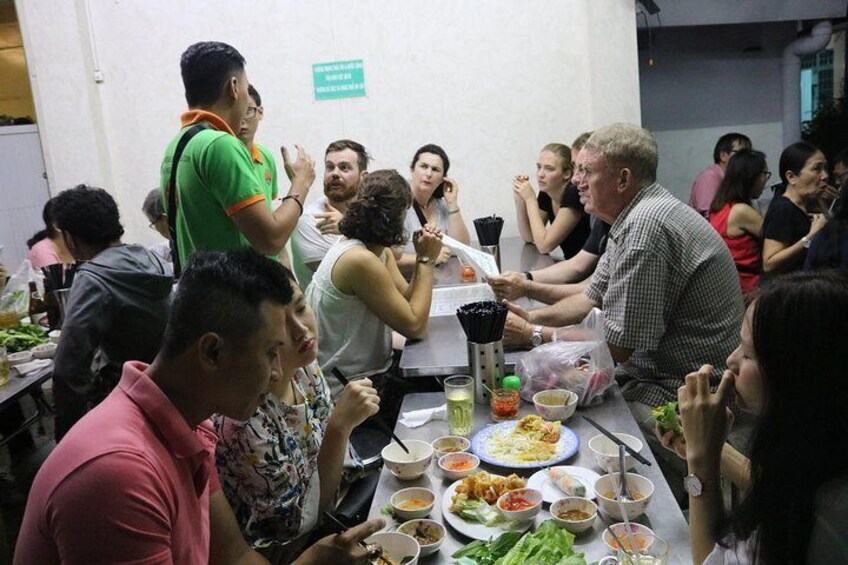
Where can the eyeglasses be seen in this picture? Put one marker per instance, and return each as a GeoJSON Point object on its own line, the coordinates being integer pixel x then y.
{"type": "Point", "coordinates": [251, 112]}
{"type": "Point", "coordinates": [767, 174]}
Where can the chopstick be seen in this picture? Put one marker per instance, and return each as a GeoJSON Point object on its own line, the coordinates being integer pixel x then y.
{"type": "Point", "coordinates": [629, 554]}
{"type": "Point", "coordinates": [636, 455]}
{"type": "Point", "coordinates": [342, 528]}
{"type": "Point", "coordinates": [383, 425]}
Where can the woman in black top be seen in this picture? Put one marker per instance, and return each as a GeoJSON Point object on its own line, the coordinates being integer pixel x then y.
{"type": "Point", "coordinates": [789, 225]}
{"type": "Point", "coordinates": [555, 217]}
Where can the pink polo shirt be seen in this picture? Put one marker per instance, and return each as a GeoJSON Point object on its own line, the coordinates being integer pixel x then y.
{"type": "Point", "coordinates": [129, 483]}
{"type": "Point", "coordinates": [704, 189]}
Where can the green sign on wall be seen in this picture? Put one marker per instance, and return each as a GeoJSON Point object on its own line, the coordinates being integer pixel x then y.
{"type": "Point", "coordinates": [340, 79]}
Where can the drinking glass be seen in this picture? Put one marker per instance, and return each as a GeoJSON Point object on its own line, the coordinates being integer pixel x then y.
{"type": "Point", "coordinates": [459, 394]}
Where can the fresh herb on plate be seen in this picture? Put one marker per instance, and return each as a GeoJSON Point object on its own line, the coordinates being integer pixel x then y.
{"type": "Point", "coordinates": [666, 417]}
{"type": "Point", "coordinates": [548, 545]}
{"type": "Point", "coordinates": [487, 553]}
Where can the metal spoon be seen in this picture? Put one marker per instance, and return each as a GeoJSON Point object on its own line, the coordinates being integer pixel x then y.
{"type": "Point", "coordinates": [623, 492]}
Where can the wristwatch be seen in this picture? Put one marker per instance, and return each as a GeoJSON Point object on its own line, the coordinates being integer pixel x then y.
{"type": "Point", "coordinates": [805, 242]}
{"type": "Point", "coordinates": [423, 259]}
{"type": "Point", "coordinates": [693, 485]}
{"type": "Point", "coordinates": [536, 339]}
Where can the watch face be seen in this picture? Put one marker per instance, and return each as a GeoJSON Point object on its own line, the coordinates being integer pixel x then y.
{"type": "Point", "coordinates": [693, 485]}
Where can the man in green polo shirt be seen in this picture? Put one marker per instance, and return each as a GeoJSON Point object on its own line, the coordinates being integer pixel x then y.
{"type": "Point", "coordinates": [222, 203]}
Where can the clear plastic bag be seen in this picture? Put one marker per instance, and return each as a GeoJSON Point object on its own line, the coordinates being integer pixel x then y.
{"type": "Point", "coordinates": [578, 360]}
{"type": "Point", "coordinates": [14, 302]}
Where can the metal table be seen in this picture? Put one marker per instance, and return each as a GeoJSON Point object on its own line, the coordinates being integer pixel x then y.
{"type": "Point", "coordinates": [18, 387]}
{"type": "Point", "coordinates": [663, 514]}
{"type": "Point", "coordinates": [442, 352]}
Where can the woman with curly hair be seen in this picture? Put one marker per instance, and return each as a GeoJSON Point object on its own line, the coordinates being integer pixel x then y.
{"type": "Point", "coordinates": [358, 293]}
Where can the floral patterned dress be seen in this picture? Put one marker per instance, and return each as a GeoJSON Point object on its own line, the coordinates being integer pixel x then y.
{"type": "Point", "coordinates": [268, 466]}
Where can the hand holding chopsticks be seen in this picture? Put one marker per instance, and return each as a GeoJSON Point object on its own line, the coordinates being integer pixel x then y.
{"type": "Point", "coordinates": [385, 427]}
{"type": "Point", "coordinates": [347, 546]}
{"type": "Point", "coordinates": [636, 455]}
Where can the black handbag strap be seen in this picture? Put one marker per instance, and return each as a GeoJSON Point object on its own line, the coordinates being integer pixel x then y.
{"type": "Point", "coordinates": [172, 195]}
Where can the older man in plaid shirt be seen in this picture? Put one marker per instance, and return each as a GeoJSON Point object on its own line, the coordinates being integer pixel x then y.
{"type": "Point", "coordinates": [667, 283]}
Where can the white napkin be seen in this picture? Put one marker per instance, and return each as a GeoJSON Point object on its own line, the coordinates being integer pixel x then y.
{"type": "Point", "coordinates": [418, 418]}
{"type": "Point", "coordinates": [25, 368]}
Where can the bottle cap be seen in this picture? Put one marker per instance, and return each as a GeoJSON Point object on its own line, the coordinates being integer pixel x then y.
{"type": "Point", "coordinates": [511, 382]}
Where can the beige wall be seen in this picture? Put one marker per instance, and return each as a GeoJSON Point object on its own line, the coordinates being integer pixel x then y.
{"type": "Point", "coordinates": [15, 92]}
{"type": "Point", "coordinates": [490, 82]}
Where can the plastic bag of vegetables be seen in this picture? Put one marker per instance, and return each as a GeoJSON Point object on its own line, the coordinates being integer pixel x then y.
{"type": "Point", "coordinates": [577, 360]}
{"type": "Point", "coordinates": [14, 302]}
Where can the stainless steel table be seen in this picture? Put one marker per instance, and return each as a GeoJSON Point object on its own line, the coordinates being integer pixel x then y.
{"type": "Point", "coordinates": [663, 514]}
{"type": "Point", "coordinates": [443, 352]}
{"type": "Point", "coordinates": [17, 388]}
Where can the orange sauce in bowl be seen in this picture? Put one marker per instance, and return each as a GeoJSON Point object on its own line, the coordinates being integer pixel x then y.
{"type": "Point", "coordinates": [459, 465]}
{"type": "Point", "coordinates": [516, 504]}
{"type": "Point", "coordinates": [634, 494]}
{"type": "Point", "coordinates": [413, 504]}
{"type": "Point", "coordinates": [574, 515]}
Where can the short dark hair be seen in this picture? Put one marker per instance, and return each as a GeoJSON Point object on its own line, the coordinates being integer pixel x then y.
{"type": "Point", "coordinates": [152, 206]}
{"type": "Point", "coordinates": [205, 67]}
{"type": "Point", "coordinates": [737, 186]}
{"type": "Point", "coordinates": [253, 93]}
{"type": "Point", "coordinates": [435, 150]}
{"type": "Point", "coordinates": [89, 214]}
{"type": "Point", "coordinates": [841, 157]}
{"type": "Point", "coordinates": [362, 156]}
{"type": "Point", "coordinates": [725, 144]}
{"type": "Point", "coordinates": [222, 292]}
{"type": "Point", "coordinates": [49, 229]}
{"type": "Point", "coordinates": [377, 215]}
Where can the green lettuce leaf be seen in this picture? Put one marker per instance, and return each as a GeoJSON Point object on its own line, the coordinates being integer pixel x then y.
{"type": "Point", "coordinates": [666, 417]}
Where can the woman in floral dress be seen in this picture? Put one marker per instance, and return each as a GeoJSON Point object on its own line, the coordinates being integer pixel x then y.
{"type": "Point", "coordinates": [282, 467]}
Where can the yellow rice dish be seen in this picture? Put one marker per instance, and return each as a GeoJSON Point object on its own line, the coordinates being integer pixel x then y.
{"type": "Point", "coordinates": [532, 440]}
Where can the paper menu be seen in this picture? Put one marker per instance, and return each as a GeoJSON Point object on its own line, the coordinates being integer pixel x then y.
{"type": "Point", "coordinates": [480, 259]}
{"type": "Point", "coordinates": [446, 299]}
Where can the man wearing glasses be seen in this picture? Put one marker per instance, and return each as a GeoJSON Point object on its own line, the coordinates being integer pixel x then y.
{"type": "Point", "coordinates": [706, 183]}
{"type": "Point", "coordinates": [219, 200]}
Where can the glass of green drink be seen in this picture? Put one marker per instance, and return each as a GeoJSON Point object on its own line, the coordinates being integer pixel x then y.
{"type": "Point", "coordinates": [459, 393]}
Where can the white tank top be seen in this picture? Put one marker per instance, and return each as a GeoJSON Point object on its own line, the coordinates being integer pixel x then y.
{"type": "Point", "coordinates": [350, 336]}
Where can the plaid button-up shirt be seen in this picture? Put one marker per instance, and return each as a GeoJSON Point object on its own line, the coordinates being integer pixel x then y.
{"type": "Point", "coordinates": [669, 291]}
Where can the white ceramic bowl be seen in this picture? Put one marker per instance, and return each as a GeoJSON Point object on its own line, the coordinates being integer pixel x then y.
{"type": "Point", "coordinates": [450, 444]}
{"type": "Point", "coordinates": [530, 495]}
{"type": "Point", "coordinates": [408, 466]}
{"type": "Point", "coordinates": [607, 485]}
{"type": "Point", "coordinates": [414, 493]}
{"type": "Point", "coordinates": [469, 461]}
{"type": "Point", "coordinates": [397, 546]}
{"type": "Point", "coordinates": [54, 336]}
{"type": "Point", "coordinates": [20, 357]}
{"type": "Point", "coordinates": [642, 535]}
{"type": "Point", "coordinates": [606, 451]}
{"type": "Point", "coordinates": [574, 503]}
{"type": "Point", "coordinates": [431, 527]}
{"type": "Point", "coordinates": [555, 404]}
{"type": "Point", "coordinates": [44, 351]}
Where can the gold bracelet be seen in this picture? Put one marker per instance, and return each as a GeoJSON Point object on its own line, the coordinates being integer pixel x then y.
{"type": "Point", "coordinates": [453, 211]}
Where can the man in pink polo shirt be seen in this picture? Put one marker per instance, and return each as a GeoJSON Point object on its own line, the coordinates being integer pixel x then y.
{"type": "Point", "coordinates": [706, 183]}
{"type": "Point", "coordinates": [135, 479]}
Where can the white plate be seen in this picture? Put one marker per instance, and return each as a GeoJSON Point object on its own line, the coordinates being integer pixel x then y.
{"type": "Point", "coordinates": [542, 481]}
{"type": "Point", "coordinates": [476, 530]}
{"type": "Point", "coordinates": [566, 446]}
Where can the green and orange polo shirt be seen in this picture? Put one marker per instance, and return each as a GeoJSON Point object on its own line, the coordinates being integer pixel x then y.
{"type": "Point", "coordinates": [266, 168]}
{"type": "Point", "coordinates": [217, 177]}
